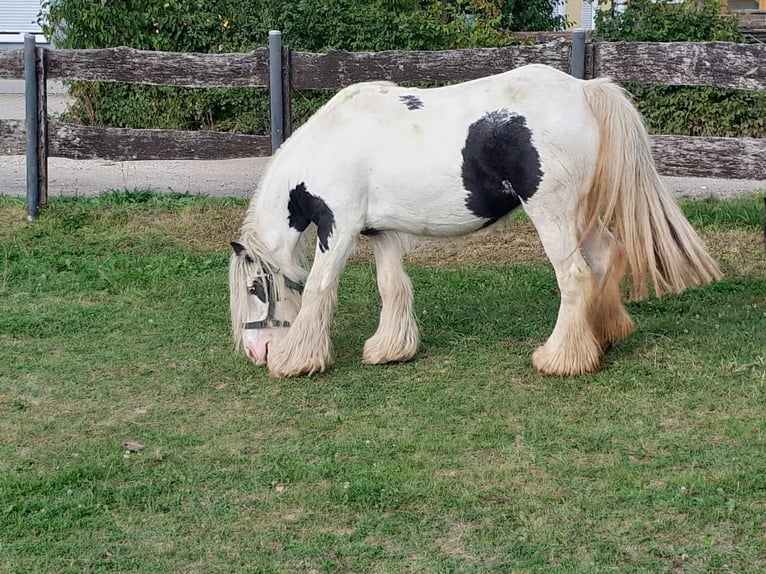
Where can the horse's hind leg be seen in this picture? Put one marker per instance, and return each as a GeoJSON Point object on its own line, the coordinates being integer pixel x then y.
{"type": "Point", "coordinates": [572, 348]}
{"type": "Point", "coordinates": [608, 317]}
{"type": "Point", "coordinates": [307, 347]}
{"type": "Point", "coordinates": [397, 337]}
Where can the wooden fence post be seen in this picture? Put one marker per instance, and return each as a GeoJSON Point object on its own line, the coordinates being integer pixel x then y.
{"type": "Point", "coordinates": [42, 126]}
{"type": "Point", "coordinates": [287, 92]}
{"type": "Point", "coordinates": [275, 89]}
{"type": "Point", "coordinates": [31, 113]}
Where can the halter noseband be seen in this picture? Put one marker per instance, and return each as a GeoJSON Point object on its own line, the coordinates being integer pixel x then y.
{"type": "Point", "coordinates": [270, 321]}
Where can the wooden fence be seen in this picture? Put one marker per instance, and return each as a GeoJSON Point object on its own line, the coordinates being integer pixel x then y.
{"type": "Point", "coordinates": [738, 66]}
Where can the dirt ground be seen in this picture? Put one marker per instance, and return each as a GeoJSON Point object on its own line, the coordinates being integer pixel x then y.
{"type": "Point", "coordinates": [230, 178]}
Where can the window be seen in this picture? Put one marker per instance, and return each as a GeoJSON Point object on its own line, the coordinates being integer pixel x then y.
{"type": "Point", "coordinates": [588, 19]}
{"type": "Point", "coordinates": [559, 7]}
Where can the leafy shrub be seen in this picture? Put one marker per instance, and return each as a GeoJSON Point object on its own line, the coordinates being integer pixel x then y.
{"type": "Point", "coordinates": [236, 26]}
{"type": "Point", "coordinates": [686, 110]}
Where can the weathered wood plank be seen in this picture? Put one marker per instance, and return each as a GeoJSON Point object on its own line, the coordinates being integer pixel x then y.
{"type": "Point", "coordinates": [13, 137]}
{"type": "Point", "coordinates": [751, 21]}
{"type": "Point", "coordinates": [11, 64]}
{"type": "Point", "coordinates": [722, 64]}
{"type": "Point", "coordinates": [726, 158]}
{"type": "Point", "coordinates": [42, 126]}
{"type": "Point", "coordinates": [117, 144]}
{"type": "Point", "coordinates": [542, 36]}
{"type": "Point", "coordinates": [680, 156]}
{"type": "Point", "coordinates": [287, 92]}
{"type": "Point", "coordinates": [337, 69]}
{"type": "Point", "coordinates": [161, 68]}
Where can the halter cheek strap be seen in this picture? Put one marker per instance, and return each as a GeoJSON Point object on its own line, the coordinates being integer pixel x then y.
{"type": "Point", "coordinates": [270, 321]}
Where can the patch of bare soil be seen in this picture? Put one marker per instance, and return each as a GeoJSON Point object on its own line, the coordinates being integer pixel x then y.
{"type": "Point", "coordinates": [740, 252]}
{"type": "Point", "coordinates": [515, 242]}
{"type": "Point", "coordinates": [197, 228]}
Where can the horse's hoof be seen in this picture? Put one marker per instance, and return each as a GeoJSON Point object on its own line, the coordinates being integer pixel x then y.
{"type": "Point", "coordinates": [567, 362]}
{"type": "Point", "coordinates": [280, 369]}
{"type": "Point", "coordinates": [374, 355]}
{"type": "Point", "coordinates": [287, 372]}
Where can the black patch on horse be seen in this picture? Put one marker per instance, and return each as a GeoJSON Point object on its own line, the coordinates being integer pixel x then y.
{"type": "Point", "coordinates": [412, 102]}
{"type": "Point", "coordinates": [501, 167]}
{"type": "Point", "coordinates": [305, 208]}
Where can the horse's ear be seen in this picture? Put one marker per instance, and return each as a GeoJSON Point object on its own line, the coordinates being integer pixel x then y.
{"type": "Point", "coordinates": [238, 248]}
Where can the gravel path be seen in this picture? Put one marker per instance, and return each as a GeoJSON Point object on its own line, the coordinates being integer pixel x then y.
{"type": "Point", "coordinates": [231, 178]}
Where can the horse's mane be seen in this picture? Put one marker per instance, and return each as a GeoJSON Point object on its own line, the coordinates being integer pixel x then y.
{"type": "Point", "coordinates": [237, 297]}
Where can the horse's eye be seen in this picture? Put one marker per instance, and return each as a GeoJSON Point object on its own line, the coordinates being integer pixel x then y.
{"type": "Point", "coordinates": [257, 289]}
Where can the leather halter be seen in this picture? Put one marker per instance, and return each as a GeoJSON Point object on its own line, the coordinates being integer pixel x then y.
{"type": "Point", "coordinates": [270, 321]}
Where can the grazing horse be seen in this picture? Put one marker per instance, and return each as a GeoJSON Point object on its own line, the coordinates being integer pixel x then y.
{"type": "Point", "coordinates": [391, 162]}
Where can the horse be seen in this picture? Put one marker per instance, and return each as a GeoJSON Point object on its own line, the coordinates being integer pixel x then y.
{"type": "Point", "coordinates": [394, 163]}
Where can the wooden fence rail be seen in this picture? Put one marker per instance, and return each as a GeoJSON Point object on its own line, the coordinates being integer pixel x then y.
{"type": "Point", "coordinates": [249, 69]}
{"type": "Point", "coordinates": [336, 69]}
{"type": "Point", "coordinates": [720, 64]}
{"type": "Point", "coordinates": [726, 65]}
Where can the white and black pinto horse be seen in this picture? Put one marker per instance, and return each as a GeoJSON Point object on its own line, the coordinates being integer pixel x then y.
{"type": "Point", "coordinates": [391, 162]}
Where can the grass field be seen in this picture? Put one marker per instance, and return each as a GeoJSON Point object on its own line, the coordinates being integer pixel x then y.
{"type": "Point", "coordinates": [114, 329]}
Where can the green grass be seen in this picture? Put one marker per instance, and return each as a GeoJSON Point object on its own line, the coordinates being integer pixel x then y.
{"type": "Point", "coordinates": [114, 327]}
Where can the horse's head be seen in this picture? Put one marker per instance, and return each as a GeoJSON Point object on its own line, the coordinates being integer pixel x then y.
{"type": "Point", "coordinates": [263, 303]}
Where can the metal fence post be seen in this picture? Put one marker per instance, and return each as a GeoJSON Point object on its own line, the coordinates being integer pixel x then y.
{"type": "Point", "coordinates": [33, 136]}
{"type": "Point", "coordinates": [275, 89]}
{"type": "Point", "coordinates": [577, 61]}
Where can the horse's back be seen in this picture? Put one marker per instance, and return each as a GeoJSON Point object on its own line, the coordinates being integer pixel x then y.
{"type": "Point", "coordinates": [547, 98]}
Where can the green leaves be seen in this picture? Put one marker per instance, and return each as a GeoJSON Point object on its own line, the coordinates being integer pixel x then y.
{"type": "Point", "coordinates": [667, 21]}
{"type": "Point", "coordinates": [235, 26]}
{"type": "Point", "coordinates": [686, 110]}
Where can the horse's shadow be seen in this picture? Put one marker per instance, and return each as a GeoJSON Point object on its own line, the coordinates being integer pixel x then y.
{"type": "Point", "coordinates": [480, 308]}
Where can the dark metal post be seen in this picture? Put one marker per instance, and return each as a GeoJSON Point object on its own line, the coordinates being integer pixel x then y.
{"type": "Point", "coordinates": [275, 89]}
{"type": "Point", "coordinates": [30, 91]}
{"type": "Point", "coordinates": [577, 61]}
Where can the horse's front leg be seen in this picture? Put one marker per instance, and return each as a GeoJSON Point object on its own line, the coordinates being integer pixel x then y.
{"type": "Point", "coordinates": [307, 347]}
{"type": "Point", "coordinates": [397, 337]}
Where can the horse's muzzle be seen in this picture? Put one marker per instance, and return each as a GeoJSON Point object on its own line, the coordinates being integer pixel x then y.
{"type": "Point", "coordinates": [257, 352]}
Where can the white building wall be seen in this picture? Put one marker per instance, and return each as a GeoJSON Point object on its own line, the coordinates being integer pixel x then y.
{"type": "Point", "coordinates": [18, 17]}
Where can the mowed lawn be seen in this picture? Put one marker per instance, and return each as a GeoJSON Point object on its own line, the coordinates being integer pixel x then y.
{"type": "Point", "coordinates": [134, 440]}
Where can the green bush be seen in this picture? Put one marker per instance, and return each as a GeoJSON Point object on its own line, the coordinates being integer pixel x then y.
{"type": "Point", "coordinates": [686, 110]}
{"type": "Point", "coordinates": [235, 26]}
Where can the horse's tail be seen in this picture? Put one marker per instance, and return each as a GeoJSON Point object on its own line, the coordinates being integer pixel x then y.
{"type": "Point", "coordinates": [660, 246]}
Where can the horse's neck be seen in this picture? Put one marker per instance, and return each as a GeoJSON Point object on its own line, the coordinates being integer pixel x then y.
{"type": "Point", "coordinates": [266, 226]}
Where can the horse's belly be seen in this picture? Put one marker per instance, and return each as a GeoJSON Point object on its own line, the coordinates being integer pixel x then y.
{"type": "Point", "coordinates": [434, 228]}
{"type": "Point", "coordinates": [436, 208]}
